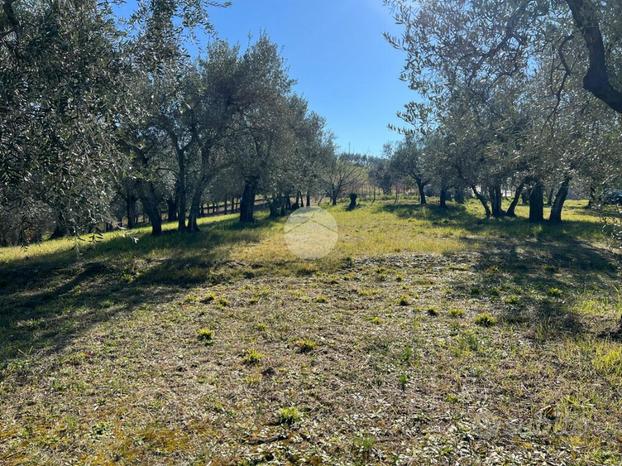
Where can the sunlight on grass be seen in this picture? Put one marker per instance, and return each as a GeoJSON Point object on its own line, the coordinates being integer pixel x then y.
{"type": "Point", "coordinates": [371, 230]}
{"type": "Point", "coordinates": [87, 242]}
{"type": "Point", "coordinates": [384, 228]}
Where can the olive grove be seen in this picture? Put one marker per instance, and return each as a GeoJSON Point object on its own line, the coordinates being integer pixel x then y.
{"type": "Point", "coordinates": [104, 118]}
{"type": "Point", "coordinates": [516, 96]}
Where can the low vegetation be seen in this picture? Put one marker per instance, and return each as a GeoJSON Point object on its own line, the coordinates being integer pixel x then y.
{"type": "Point", "coordinates": [98, 366]}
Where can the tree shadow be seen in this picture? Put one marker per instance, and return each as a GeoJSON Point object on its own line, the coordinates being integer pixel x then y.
{"type": "Point", "coordinates": [549, 277]}
{"type": "Point", "coordinates": [458, 216]}
{"type": "Point", "coordinates": [47, 303]}
{"type": "Point", "coordinates": [532, 274]}
{"type": "Point", "coordinates": [536, 284]}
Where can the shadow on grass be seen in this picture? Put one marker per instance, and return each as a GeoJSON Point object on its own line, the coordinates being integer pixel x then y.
{"type": "Point", "coordinates": [458, 216]}
{"type": "Point", "coordinates": [536, 283]}
{"type": "Point", "coordinates": [46, 303]}
{"type": "Point", "coordinates": [534, 274]}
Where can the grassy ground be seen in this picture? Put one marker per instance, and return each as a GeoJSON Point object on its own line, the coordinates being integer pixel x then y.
{"type": "Point", "coordinates": [424, 338]}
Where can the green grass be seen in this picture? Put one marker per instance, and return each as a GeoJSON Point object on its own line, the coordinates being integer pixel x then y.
{"type": "Point", "coordinates": [181, 349]}
{"type": "Point", "coordinates": [413, 228]}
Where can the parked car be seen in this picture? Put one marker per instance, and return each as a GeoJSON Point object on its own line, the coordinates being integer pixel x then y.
{"type": "Point", "coordinates": [613, 197]}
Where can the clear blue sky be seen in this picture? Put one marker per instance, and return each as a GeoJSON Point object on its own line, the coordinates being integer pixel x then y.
{"type": "Point", "coordinates": [337, 53]}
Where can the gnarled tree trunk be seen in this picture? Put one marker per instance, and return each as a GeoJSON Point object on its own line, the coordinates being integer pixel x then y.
{"type": "Point", "coordinates": [171, 204]}
{"type": "Point", "coordinates": [459, 195]}
{"type": "Point", "coordinates": [496, 200]}
{"type": "Point", "coordinates": [558, 204]}
{"type": "Point", "coordinates": [353, 197]}
{"type": "Point", "coordinates": [443, 199]}
{"type": "Point", "coordinates": [482, 199]}
{"type": "Point", "coordinates": [421, 187]}
{"type": "Point", "coordinates": [151, 206]}
{"type": "Point", "coordinates": [181, 207]}
{"type": "Point", "coordinates": [511, 212]}
{"type": "Point", "coordinates": [536, 203]}
{"type": "Point", "coordinates": [247, 203]}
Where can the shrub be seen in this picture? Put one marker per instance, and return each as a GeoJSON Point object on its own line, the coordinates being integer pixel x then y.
{"type": "Point", "coordinates": [375, 320]}
{"type": "Point", "coordinates": [321, 299]}
{"type": "Point", "coordinates": [208, 298]}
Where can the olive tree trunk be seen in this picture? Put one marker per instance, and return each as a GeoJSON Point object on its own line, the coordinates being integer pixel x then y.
{"type": "Point", "coordinates": [536, 203]}
{"type": "Point", "coordinates": [558, 203]}
{"type": "Point", "coordinates": [247, 203]}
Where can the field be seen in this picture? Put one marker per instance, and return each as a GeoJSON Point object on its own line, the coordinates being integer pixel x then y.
{"type": "Point", "coordinates": [424, 338]}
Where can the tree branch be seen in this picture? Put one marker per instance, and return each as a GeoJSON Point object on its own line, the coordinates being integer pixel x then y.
{"type": "Point", "coordinates": [596, 79]}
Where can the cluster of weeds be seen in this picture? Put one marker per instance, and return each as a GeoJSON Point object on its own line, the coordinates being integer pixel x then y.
{"type": "Point", "coordinates": [253, 379]}
{"type": "Point", "coordinates": [191, 298]}
{"type": "Point", "coordinates": [305, 345]}
{"type": "Point", "coordinates": [403, 300]}
{"type": "Point", "coordinates": [466, 342]}
{"type": "Point", "coordinates": [485, 319]}
{"type": "Point", "coordinates": [261, 327]}
{"type": "Point", "coordinates": [289, 416]}
{"type": "Point", "coordinates": [456, 312]}
{"type": "Point", "coordinates": [554, 292]}
{"type": "Point", "coordinates": [375, 320]}
{"type": "Point", "coordinates": [367, 292]}
{"type": "Point", "coordinates": [475, 291]}
{"type": "Point", "coordinates": [364, 447]}
{"type": "Point", "coordinates": [407, 355]}
{"type": "Point", "coordinates": [512, 299]}
{"type": "Point", "coordinates": [206, 335]}
{"type": "Point", "coordinates": [403, 381]}
{"type": "Point", "coordinates": [347, 262]}
{"type": "Point", "coordinates": [432, 311]}
{"type": "Point", "coordinates": [609, 362]}
{"type": "Point", "coordinates": [252, 357]}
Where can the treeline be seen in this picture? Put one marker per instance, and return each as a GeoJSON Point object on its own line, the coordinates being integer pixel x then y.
{"type": "Point", "coordinates": [102, 118]}
{"type": "Point", "coordinates": [518, 98]}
